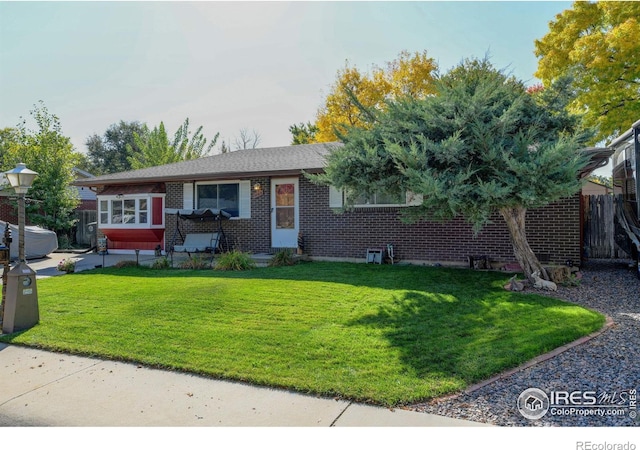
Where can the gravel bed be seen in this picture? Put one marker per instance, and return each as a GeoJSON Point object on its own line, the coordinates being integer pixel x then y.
{"type": "Point", "coordinates": [609, 363]}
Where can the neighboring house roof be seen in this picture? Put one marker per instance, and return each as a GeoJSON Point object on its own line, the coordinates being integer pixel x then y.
{"type": "Point", "coordinates": [238, 164]}
{"type": "Point", "coordinates": [84, 193]}
{"type": "Point", "coordinates": [82, 173]}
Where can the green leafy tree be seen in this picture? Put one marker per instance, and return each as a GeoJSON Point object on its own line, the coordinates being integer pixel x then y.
{"type": "Point", "coordinates": [110, 153]}
{"type": "Point", "coordinates": [156, 149]}
{"type": "Point", "coordinates": [303, 133]}
{"type": "Point", "coordinates": [187, 146]}
{"type": "Point", "coordinates": [408, 75]}
{"type": "Point", "coordinates": [596, 44]}
{"type": "Point", "coordinates": [47, 151]}
{"type": "Point", "coordinates": [154, 146]}
{"type": "Point", "coordinates": [482, 145]}
{"type": "Point", "coordinates": [9, 139]}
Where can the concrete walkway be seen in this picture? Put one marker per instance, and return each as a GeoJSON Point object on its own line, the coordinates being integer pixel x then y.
{"type": "Point", "coordinates": [40, 388]}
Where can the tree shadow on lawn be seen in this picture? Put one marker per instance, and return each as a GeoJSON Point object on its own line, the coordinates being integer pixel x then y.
{"type": "Point", "coordinates": [472, 340]}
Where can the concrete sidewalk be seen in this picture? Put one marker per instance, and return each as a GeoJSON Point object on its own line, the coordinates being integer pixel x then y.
{"type": "Point", "coordinates": [40, 388]}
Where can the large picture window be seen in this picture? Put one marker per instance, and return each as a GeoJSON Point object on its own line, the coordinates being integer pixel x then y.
{"type": "Point", "coordinates": [219, 196]}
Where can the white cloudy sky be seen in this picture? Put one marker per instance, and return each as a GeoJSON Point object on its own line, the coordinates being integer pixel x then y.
{"type": "Point", "coordinates": [233, 65]}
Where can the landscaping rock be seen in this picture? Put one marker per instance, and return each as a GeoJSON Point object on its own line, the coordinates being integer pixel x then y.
{"type": "Point", "coordinates": [609, 363]}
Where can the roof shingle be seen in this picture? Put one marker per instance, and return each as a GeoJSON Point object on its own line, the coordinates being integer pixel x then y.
{"type": "Point", "coordinates": [238, 164]}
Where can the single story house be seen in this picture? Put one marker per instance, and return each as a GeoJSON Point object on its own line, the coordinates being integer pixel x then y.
{"type": "Point", "coordinates": [273, 205]}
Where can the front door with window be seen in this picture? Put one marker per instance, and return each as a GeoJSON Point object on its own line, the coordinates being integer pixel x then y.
{"type": "Point", "coordinates": [285, 222]}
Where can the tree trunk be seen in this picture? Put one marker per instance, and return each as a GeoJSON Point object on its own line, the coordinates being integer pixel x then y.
{"type": "Point", "coordinates": [515, 219]}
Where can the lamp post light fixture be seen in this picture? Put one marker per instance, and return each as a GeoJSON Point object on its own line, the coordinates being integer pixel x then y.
{"type": "Point", "coordinates": [21, 180]}
{"type": "Point", "coordinates": [21, 301]}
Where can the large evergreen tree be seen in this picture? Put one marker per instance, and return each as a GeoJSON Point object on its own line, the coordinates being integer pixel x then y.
{"type": "Point", "coordinates": [481, 145]}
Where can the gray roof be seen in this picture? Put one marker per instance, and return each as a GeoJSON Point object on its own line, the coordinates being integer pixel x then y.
{"type": "Point", "coordinates": [238, 164]}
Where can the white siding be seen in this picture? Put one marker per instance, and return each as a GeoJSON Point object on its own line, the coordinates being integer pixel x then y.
{"type": "Point", "coordinates": [187, 196]}
{"type": "Point", "coordinates": [245, 200]}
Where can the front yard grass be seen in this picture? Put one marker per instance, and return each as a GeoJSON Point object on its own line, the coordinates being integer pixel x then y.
{"type": "Point", "coordinates": [390, 335]}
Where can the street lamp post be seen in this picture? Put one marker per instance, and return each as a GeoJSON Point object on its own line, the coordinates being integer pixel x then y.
{"type": "Point", "coordinates": [21, 180]}
{"type": "Point", "coordinates": [21, 302]}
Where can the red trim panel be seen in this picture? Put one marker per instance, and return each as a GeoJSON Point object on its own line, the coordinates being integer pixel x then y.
{"type": "Point", "coordinates": [157, 213]}
{"type": "Point", "coordinates": [134, 235]}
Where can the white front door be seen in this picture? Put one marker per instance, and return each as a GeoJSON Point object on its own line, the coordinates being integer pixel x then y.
{"type": "Point", "coordinates": [285, 222]}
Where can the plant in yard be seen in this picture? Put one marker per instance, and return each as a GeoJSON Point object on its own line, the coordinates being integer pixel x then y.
{"type": "Point", "coordinates": [573, 280]}
{"type": "Point", "coordinates": [67, 265]}
{"type": "Point", "coordinates": [235, 260]}
{"type": "Point", "coordinates": [64, 241]}
{"type": "Point", "coordinates": [161, 263]}
{"type": "Point", "coordinates": [283, 257]}
{"type": "Point", "coordinates": [195, 262]}
{"type": "Point", "coordinates": [481, 148]}
{"type": "Point", "coordinates": [125, 264]}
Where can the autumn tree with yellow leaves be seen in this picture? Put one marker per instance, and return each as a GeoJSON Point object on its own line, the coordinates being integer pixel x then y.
{"type": "Point", "coordinates": [597, 46]}
{"type": "Point", "coordinates": [407, 75]}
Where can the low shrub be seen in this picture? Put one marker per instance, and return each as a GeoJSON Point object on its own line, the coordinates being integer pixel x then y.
{"type": "Point", "coordinates": [235, 260]}
{"type": "Point", "coordinates": [67, 265]}
{"type": "Point", "coordinates": [195, 262]}
{"type": "Point", "coordinates": [161, 263]}
{"type": "Point", "coordinates": [64, 242]}
{"type": "Point", "coordinates": [124, 264]}
{"type": "Point", "coordinates": [284, 257]}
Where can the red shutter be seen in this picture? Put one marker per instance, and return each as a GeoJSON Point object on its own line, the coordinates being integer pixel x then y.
{"type": "Point", "coordinates": [158, 213]}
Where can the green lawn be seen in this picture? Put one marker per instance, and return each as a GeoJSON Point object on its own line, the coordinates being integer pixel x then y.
{"type": "Point", "coordinates": [385, 334]}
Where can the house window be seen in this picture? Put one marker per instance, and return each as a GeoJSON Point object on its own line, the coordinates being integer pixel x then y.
{"type": "Point", "coordinates": [381, 199]}
{"type": "Point", "coordinates": [219, 196]}
{"type": "Point", "coordinates": [142, 210]}
{"type": "Point", "coordinates": [127, 212]}
{"type": "Point", "coordinates": [104, 211]}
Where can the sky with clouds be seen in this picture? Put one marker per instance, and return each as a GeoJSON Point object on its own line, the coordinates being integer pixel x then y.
{"type": "Point", "coordinates": [231, 65]}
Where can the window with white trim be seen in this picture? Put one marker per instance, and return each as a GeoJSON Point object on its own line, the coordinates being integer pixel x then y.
{"type": "Point", "coordinates": [127, 211]}
{"type": "Point", "coordinates": [219, 196]}
{"type": "Point", "coordinates": [379, 199]}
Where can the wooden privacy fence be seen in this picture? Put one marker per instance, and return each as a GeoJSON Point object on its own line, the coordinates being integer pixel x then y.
{"type": "Point", "coordinates": [84, 235]}
{"type": "Point", "coordinates": [598, 226]}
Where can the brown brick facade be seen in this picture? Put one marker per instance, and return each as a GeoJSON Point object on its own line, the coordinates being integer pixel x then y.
{"type": "Point", "coordinates": [8, 211]}
{"type": "Point", "coordinates": [553, 231]}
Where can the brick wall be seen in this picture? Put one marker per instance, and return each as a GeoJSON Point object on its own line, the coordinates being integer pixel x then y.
{"type": "Point", "coordinates": [246, 234]}
{"type": "Point", "coordinates": [553, 231]}
{"type": "Point", "coordinates": [8, 211]}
